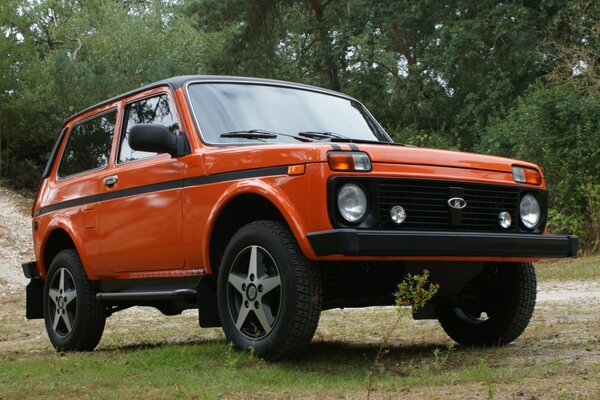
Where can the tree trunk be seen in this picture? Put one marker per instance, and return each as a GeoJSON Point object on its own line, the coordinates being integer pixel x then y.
{"type": "Point", "coordinates": [329, 72]}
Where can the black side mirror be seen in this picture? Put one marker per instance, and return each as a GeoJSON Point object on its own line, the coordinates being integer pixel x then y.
{"type": "Point", "coordinates": [156, 138]}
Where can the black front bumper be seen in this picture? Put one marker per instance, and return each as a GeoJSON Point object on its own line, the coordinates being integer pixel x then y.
{"type": "Point", "coordinates": [355, 242]}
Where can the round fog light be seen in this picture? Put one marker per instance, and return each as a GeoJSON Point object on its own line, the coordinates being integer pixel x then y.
{"type": "Point", "coordinates": [504, 219]}
{"type": "Point", "coordinates": [398, 214]}
{"type": "Point", "coordinates": [352, 202]}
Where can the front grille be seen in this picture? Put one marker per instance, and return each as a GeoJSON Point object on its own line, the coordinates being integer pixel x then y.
{"type": "Point", "coordinates": [426, 205]}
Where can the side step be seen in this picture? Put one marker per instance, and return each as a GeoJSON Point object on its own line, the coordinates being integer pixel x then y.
{"type": "Point", "coordinates": [178, 294]}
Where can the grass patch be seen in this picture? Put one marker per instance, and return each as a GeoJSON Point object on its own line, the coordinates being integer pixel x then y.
{"type": "Point", "coordinates": [580, 268]}
{"type": "Point", "coordinates": [212, 369]}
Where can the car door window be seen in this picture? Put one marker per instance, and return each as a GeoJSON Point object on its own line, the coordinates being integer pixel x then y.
{"type": "Point", "coordinates": [89, 145]}
{"type": "Point", "coordinates": [153, 110]}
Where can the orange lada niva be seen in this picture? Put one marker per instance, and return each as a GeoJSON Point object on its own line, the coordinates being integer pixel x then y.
{"type": "Point", "coordinates": [261, 203]}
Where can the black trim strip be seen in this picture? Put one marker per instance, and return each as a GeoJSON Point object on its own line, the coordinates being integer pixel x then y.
{"type": "Point", "coordinates": [174, 184]}
{"type": "Point", "coordinates": [69, 203]}
{"type": "Point", "coordinates": [235, 175]}
{"type": "Point", "coordinates": [148, 296]}
{"type": "Point", "coordinates": [52, 158]}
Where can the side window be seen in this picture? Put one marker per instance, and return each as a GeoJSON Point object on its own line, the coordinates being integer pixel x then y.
{"type": "Point", "coordinates": [154, 110]}
{"type": "Point", "coordinates": [89, 145]}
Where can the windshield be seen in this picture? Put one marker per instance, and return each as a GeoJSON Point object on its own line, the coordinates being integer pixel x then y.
{"type": "Point", "coordinates": [246, 113]}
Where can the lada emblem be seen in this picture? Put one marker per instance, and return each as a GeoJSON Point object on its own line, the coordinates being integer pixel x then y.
{"type": "Point", "coordinates": [457, 203]}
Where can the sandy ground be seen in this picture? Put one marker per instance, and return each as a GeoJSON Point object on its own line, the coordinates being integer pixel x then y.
{"type": "Point", "coordinates": [576, 302]}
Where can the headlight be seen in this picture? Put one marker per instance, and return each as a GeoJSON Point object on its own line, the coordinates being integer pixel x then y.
{"type": "Point", "coordinates": [352, 202]}
{"type": "Point", "coordinates": [530, 211]}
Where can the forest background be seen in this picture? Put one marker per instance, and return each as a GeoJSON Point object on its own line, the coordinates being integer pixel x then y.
{"type": "Point", "coordinates": [512, 78]}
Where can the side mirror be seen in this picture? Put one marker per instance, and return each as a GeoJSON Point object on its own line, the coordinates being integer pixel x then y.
{"type": "Point", "coordinates": [156, 138]}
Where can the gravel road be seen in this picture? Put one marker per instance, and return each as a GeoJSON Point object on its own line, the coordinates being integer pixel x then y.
{"type": "Point", "coordinates": [16, 245]}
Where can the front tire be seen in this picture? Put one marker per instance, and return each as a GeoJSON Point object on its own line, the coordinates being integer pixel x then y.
{"type": "Point", "coordinates": [74, 318]}
{"type": "Point", "coordinates": [269, 295]}
{"type": "Point", "coordinates": [496, 307]}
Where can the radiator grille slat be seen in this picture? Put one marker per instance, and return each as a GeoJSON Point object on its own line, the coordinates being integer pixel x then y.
{"type": "Point", "coordinates": [426, 205]}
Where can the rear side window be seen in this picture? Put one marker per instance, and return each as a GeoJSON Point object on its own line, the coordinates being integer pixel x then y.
{"type": "Point", "coordinates": [153, 110]}
{"type": "Point", "coordinates": [89, 145]}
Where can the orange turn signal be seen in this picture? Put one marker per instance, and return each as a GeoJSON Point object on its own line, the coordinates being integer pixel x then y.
{"type": "Point", "coordinates": [526, 175]}
{"type": "Point", "coordinates": [349, 161]}
{"type": "Point", "coordinates": [296, 169]}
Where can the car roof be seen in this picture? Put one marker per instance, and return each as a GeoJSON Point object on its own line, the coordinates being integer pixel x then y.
{"type": "Point", "coordinates": [177, 82]}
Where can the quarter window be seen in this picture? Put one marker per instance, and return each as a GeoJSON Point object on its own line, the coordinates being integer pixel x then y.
{"type": "Point", "coordinates": [153, 110]}
{"type": "Point", "coordinates": [89, 145]}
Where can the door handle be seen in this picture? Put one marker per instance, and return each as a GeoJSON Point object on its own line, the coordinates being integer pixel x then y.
{"type": "Point", "coordinates": [111, 180]}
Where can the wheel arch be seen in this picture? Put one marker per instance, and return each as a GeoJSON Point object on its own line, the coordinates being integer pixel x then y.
{"type": "Point", "coordinates": [60, 237]}
{"type": "Point", "coordinates": [241, 206]}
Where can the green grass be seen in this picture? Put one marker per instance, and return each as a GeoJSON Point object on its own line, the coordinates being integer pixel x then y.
{"type": "Point", "coordinates": [580, 268]}
{"type": "Point", "coordinates": [146, 355]}
{"type": "Point", "coordinates": [212, 369]}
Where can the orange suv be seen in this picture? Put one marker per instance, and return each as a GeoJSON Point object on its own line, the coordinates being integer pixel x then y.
{"type": "Point", "coordinates": [262, 203]}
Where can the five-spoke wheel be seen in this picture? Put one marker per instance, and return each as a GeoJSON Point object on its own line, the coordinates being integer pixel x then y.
{"type": "Point", "coordinates": [63, 302]}
{"type": "Point", "coordinates": [254, 292]}
{"type": "Point", "coordinates": [269, 294]}
{"type": "Point", "coordinates": [74, 318]}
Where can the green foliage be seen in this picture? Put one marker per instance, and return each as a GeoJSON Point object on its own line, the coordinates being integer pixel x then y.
{"type": "Point", "coordinates": [440, 356]}
{"type": "Point", "coordinates": [64, 56]}
{"type": "Point", "coordinates": [469, 75]}
{"type": "Point", "coordinates": [415, 291]}
{"type": "Point", "coordinates": [559, 128]}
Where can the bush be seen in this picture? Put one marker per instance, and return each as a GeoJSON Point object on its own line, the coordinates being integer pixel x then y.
{"type": "Point", "coordinates": [558, 128]}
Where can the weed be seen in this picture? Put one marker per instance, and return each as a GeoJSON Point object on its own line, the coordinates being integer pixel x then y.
{"type": "Point", "coordinates": [440, 357]}
{"type": "Point", "coordinates": [414, 291]}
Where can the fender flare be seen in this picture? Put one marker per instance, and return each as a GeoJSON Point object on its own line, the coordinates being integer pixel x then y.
{"type": "Point", "coordinates": [270, 192]}
{"type": "Point", "coordinates": [63, 223]}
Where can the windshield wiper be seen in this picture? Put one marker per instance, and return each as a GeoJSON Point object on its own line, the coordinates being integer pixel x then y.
{"type": "Point", "coordinates": [259, 134]}
{"type": "Point", "coordinates": [250, 134]}
{"type": "Point", "coordinates": [336, 137]}
{"type": "Point", "coordinates": [322, 135]}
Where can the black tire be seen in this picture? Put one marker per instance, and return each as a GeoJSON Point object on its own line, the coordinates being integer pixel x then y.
{"type": "Point", "coordinates": [507, 294]}
{"type": "Point", "coordinates": [74, 318]}
{"type": "Point", "coordinates": [289, 303]}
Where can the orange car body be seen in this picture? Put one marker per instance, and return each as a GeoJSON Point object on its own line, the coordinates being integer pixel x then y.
{"type": "Point", "coordinates": [167, 232]}
{"type": "Point", "coordinates": [158, 220]}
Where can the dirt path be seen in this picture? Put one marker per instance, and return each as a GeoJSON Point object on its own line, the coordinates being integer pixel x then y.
{"type": "Point", "coordinates": [16, 246]}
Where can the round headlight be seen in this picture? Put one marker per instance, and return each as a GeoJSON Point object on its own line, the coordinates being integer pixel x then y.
{"type": "Point", "coordinates": [530, 211]}
{"type": "Point", "coordinates": [352, 202]}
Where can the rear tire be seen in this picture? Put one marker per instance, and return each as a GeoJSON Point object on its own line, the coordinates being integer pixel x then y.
{"type": "Point", "coordinates": [506, 300]}
{"type": "Point", "coordinates": [269, 294]}
{"type": "Point", "coordinates": [74, 318]}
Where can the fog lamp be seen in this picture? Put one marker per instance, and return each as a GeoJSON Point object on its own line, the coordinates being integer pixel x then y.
{"type": "Point", "coordinates": [505, 220]}
{"type": "Point", "coordinates": [398, 214]}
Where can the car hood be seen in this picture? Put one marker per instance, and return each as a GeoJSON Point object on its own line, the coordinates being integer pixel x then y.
{"type": "Point", "coordinates": [231, 158]}
{"type": "Point", "coordinates": [397, 154]}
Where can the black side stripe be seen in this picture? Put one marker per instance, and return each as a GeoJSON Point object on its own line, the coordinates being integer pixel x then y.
{"type": "Point", "coordinates": [335, 147]}
{"type": "Point", "coordinates": [174, 184]}
{"type": "Point", "coordinates": [69, 203]}
{"type": "Point", "coordinates": [353, 147]}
